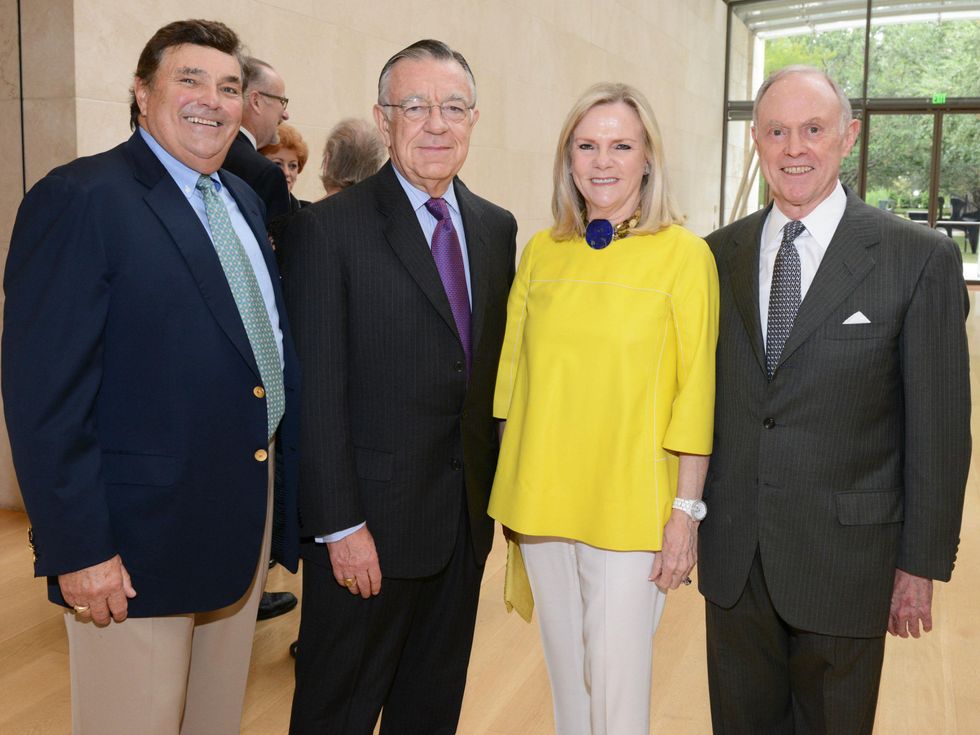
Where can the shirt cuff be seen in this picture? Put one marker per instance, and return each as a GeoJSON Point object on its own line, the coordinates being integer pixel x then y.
{"type": "Point", "coordinates": [331, 537]}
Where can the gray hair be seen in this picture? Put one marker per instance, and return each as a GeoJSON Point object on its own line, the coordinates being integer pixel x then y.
{"type": "Point", "coordinates": [425, 49]}
{"type": "Point", "coordinates": [354, 150]}
{"type": "Point", "coordinates": [254, 71]}
{"type": "Point", "coordinates": [846, 114]}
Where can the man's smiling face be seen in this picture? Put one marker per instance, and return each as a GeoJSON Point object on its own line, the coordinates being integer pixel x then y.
{"type": "Point", "coordinates": [802, 141]}
{"type": "Point", "coordinates": [193, 105]}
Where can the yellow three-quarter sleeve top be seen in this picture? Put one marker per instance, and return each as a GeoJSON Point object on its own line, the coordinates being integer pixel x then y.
{"type": "Point", "coordinates": [608, 362]}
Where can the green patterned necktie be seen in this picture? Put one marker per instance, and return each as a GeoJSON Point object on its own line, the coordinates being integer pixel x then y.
{"type": "Point", "coordinates": [248, 298]}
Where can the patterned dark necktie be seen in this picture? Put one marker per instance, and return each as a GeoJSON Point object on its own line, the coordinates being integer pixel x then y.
{"type": "Point", "coordinates": [248, 298]}
{"type": "Point", "coordinates": [449, 260]}
{"type": "Point", "coordinates": [784, 297]}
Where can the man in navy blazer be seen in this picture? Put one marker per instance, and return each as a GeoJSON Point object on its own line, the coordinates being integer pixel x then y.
{"type": "Point", "coordinates": [135, 406]}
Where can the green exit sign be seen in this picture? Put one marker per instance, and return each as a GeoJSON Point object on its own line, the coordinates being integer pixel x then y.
{"type": "Point", "coordinates": [939, 99]}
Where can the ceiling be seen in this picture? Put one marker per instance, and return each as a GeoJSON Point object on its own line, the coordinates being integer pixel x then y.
{"type": "Point", "coordinates": [773, 18]}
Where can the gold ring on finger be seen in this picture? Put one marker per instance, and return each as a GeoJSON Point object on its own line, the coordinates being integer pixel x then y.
{"type": "Point", "coordinates": [350, 583]}
{"type": "Point", "coordinates": [81, 608]}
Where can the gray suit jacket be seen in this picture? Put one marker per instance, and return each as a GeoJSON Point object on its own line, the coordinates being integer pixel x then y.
{"type": "Point", "coordinates": [853, 460]}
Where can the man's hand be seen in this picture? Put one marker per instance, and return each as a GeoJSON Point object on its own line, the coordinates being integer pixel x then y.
{"type": "Point", "coordinates": [673, 564]}
{"type": "Point", "coordinates": [911, 603]}
{"type": "Point", "coordinates": [355, 558]}
{"type": "Point", "coordinates": [103, 588]}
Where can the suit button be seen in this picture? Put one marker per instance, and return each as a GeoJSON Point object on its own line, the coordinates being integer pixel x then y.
{"type": "Point", "coordinates": [455, 464]}
{"type": "Point", "coordinates": [458, 366]}
{"type": "Point", "coordinates": [769, 422]}
{"type": "Point", "coordinates": [258, 391]}
{"type": "Point", "coordinates": [261, 455]}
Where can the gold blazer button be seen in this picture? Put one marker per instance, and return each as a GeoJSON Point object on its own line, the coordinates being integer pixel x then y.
{"type": "Point", "coordinates": [258, 391]}
{"type": "Point", "coordinates": [261, 455]}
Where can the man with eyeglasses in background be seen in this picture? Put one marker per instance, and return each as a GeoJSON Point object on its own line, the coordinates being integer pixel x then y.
{"type": "Point", "coordinates": [265, 108]}
{"type": "Point", "coordinates": [399, 287]}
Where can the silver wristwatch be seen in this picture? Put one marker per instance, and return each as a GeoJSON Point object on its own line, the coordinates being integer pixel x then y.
{"type": "Point", "coordinates": [694, 508]}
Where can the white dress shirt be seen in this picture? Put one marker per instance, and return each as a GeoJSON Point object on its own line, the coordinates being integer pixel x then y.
{"type": "Point", "coordinates": [821, 224]}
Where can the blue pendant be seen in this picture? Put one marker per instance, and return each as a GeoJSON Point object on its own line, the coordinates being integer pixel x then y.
{"type": "Point", "coordinates": [599, 233]}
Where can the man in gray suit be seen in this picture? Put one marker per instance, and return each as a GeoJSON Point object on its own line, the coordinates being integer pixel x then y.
{"type": "Point", "coordinates": [842, 431]}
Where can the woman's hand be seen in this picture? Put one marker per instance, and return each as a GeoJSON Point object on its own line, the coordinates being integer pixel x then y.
{"type": "Point", "coordinates": [674, 562]}
{"type": "Point", "coordinates": [679, 552]}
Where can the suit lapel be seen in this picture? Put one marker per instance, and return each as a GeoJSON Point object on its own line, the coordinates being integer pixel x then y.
{"type": "Point", "coordinates": [744, 269]}
{"type": "Point", "coordinates": [845, 264]}
{"type": "Point", "coordinates": [404, 236]}
{"type": "Point", "coordinates": [478, 254]}
{"type": "Point", "coordinates": [189, 236]}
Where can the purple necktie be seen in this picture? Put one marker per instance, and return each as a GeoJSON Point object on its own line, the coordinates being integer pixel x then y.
{"type": "Point", "coordinates": [449, 260]}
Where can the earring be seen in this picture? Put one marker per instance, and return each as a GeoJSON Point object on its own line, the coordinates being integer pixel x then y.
{"type": "Point", "coordinates": [646, 170]}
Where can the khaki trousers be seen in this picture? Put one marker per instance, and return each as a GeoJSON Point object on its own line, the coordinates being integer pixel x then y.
{"type": "Point", "coordinates": [170, 675]}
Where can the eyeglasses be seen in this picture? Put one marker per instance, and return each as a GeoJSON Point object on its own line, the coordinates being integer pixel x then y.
{"type": "Point", "coordinates": [453, 112]}
{"type": "Point", "coordinates": [282, 100]}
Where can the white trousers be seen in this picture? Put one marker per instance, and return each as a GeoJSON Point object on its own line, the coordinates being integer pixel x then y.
{"type": "Point", "coordinates": [598, 612]}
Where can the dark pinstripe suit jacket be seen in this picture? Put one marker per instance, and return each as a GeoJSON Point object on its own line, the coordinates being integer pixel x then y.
{"type": "Point", "coordinates": [853, 460]}
{"type": "Point", "coordinates": [392, 431]}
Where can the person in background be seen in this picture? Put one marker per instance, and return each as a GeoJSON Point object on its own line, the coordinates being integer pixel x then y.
{"type": "Point", "coordinates": [290, 154]}
{"type": "Point", "coordinates": [150, 385]}
{"type": "Point", "coordinates": [842, 431]}
{"type": "Point", "coordinates": [606, 383]}
{"type": "Point", "coordinates": [354, 150]}
{"type": "Point", "coordinates": [264, 109]}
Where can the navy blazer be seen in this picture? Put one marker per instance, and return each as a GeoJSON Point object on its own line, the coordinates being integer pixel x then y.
{"type": "Point", "coordinates": [261, 174]}
{"type": "Point", "coordinates": [128, 385]}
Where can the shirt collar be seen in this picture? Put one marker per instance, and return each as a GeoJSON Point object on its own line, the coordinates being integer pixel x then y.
{"type": "Point", "coordinates": [418, 198]}
{"type": "Point", "coordinates": [251, 138]}
{"type": "Point", "coordinates": [821, 223]}
{"type": "Point", "coordinates": [185, 176]}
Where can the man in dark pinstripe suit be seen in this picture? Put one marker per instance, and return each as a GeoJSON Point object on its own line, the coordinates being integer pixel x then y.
{"type": "Point", "coordinates": [399, 350]}
{"type": "Point", "coordinates": [842, 431]}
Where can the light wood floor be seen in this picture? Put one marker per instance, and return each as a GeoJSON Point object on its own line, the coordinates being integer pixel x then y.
{"type": "Point", "coordinates": [929, 686]}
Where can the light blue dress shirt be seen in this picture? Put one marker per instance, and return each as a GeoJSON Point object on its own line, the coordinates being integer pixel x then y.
{"type": "Point", "coordinates": [417, 198]}
{"type": "Point", "coordinates": [186, 178]}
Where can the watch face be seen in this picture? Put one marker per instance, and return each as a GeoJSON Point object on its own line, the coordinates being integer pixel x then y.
{"type": "Point", "coordinates": [699, 510]}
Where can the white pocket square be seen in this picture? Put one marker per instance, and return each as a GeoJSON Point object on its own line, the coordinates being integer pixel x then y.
{"type": "Point", "coordinates": [857, 318]}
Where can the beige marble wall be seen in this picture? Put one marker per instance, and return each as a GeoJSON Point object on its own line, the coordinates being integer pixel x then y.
{"type": "Point", "coordinates": [11, 188]}
{"type": "Point", "coordinates": [531, 58]}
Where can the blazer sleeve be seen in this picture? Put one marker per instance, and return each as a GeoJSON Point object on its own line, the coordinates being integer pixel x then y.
{"type": "Point", "coordinates": [57, 299]}
{"type": "Point", "coordinates": [315, 292]}
{"type": "Point", "coordinates": [936, 382]}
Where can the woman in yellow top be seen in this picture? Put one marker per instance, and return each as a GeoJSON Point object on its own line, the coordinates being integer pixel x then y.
{"type": "Point", "coordinates": [606, 382]}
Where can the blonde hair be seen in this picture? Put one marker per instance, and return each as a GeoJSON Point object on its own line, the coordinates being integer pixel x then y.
{"type": "Point", "coordinates": [289, 139]}
{"type": "Point", "coordinates": [657, 207]}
